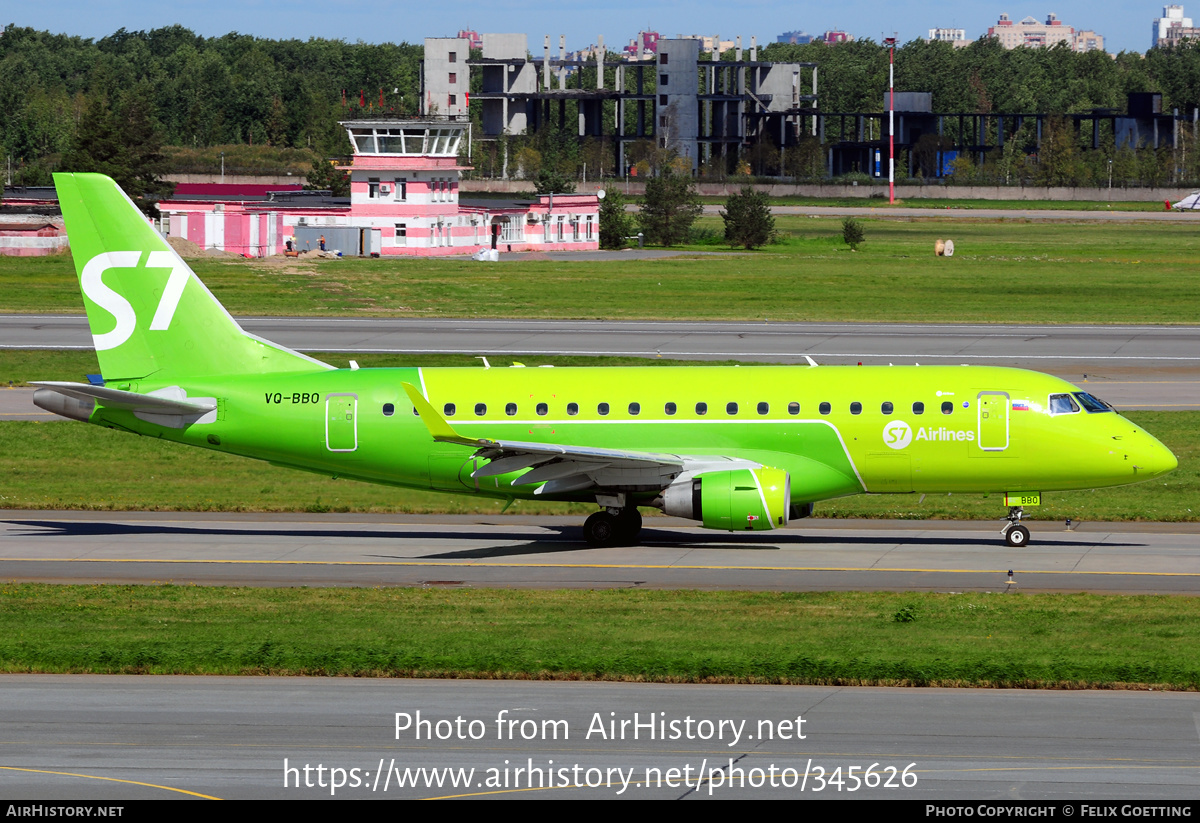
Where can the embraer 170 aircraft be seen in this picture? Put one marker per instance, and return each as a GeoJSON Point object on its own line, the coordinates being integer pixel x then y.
{"type": "Point", "coordinates": [736, 448]}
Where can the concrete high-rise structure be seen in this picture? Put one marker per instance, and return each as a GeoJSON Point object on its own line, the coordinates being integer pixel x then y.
{"type": "Point", "coordinates": [1032, 34]}
{"type": "Point", "coordinates": [446, 81]}
{"type": "Point", "coordinates": [796, 37]}
{"type": "Point", "coordinates": [1172, 27]}
{"type": "Point", "coordinates": [956, 37]}
{"type": "Point", "coordinates": [947, 35]}
{"type": "Point", "coordinates": [681, 96]}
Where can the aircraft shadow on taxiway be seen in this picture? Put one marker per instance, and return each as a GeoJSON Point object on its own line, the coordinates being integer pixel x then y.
{"type": "Point", "coordinates": [548, 540]}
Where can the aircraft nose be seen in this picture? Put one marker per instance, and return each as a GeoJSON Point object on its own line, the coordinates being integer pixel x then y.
{"type": "Point", "coordinates": [1152, 458]}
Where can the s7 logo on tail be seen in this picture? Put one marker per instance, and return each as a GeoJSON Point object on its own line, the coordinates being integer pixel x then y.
{"type": "Point", "coordinates": [99, 292]}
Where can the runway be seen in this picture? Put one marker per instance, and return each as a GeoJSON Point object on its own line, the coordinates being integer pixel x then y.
{"type": "Point", "coordinates": [112, 738]}
{"type": "Point", "coordinates": [510, 551]}
{"type": "Point", "coordinates": [1045, 347]}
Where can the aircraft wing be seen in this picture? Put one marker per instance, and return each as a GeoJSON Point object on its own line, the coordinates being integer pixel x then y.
{"type": "Point", "coordinates": [562, 468]}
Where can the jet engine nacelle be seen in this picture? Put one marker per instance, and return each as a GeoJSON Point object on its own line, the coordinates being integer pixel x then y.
{"type": "Point", "coordinates": [738, 500]}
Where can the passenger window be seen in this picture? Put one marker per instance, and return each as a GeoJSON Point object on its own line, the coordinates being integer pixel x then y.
{"type": "Point", "coordinates": [669, 408]}
{"type": "Point", "coordinates": [480, 409]}
{"type": "Point", "coordinates": [510, 409]}
{"type": "Point", "coordinates": [825, 408]}
{"type": "Point", "coordinates": [635, 408]}
{"type": "Point", "coordinates": [1063, 404]}
{"type": "Point", "coordinates": [763, 408]}
{"type": "Point", "coordinates": [572, 409]}
{"type": "Point", "coordinates": [886, 408]}
{"type": "Point", "coordinates": [448, 409]}
{"type": "Point", "coordinates": [947, 407]}
{"type": "Point", "coordinates": [793, 407]}
{"type": "Point", "coordinates": [389, 409]}
{"type": "Point", "coordinates": [918, 407]}
{"type": "Point", "coordinates": [602, 409]}
{"type": "Point", "coordinates": [701, 409]}
{"type": "Point", "coordinates": [542, 408]}
{"type": "Point", "coordinates": [856, 407]}
{"type": "Point", "coordinates": [731, 408]}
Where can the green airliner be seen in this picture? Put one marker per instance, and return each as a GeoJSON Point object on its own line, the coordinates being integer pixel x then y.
{"type": "Point", "coordinates": [736, 448]}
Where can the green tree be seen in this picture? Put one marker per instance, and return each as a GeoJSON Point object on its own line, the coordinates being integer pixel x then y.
{"type": "Point", "coordinates": [1058, 156]}
{"type": "Point", "coordinates": [852, 233]}
{"type": "Point", "coordinates": [748, 220]}
{"type": "Point", "coordinates": [616, 224]}
{"type": "Point", "coordinates": [669, 209]}
{"type": "Point", "coordinates": [325, 177]}
{"type": "Point", "coordinates": [551, 181]}
{"type": "Point", "coordinates": [125, 145]}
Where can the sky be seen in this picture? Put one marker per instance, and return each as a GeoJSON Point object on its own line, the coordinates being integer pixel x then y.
{"type": "Point", "coordinates": [1125, 25]}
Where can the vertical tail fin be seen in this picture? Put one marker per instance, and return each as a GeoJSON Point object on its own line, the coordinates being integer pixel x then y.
{"type": "Point", "coordinates": [149, 313]}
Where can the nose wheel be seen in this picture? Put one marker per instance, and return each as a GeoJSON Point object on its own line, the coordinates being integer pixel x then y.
{"type": "Point", "coordinates": [1015, 535]}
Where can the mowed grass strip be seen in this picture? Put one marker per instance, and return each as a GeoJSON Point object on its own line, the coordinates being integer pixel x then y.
{"type": "Point", "coordinates": [1003, 271]}
{"type": "Point", "coordinates": [69, 465]}
{"type": "Point", "coordinates": [989, 640]}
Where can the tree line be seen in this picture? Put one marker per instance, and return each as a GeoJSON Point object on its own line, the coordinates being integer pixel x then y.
{"type": "Point", "coordinates": [237, 89]}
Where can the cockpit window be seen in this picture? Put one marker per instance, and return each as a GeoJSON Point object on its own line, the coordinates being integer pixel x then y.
{"type": "Point", "coordinates": [1063, 404]}
{"type": "Point", "coordinates": [1091, 403]}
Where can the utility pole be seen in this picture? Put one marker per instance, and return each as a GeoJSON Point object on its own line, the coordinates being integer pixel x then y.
{"type": "Point", "coordinates": [891, 44]}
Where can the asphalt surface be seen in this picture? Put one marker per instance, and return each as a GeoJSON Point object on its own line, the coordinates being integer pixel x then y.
{"type": "Point", "coordinates": [125, 738]}
{"type": "Point", "coordinates": [1050, 347]}
{"type": "Point", "coordinates": [513, 551]}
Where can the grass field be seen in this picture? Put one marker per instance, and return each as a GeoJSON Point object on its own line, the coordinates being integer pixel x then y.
{"type": "Point", "coordinates": [993, 640]}
{"type": "Point", "coordinates": [879, 199]}
{"type": "Point", "coordinates": [1003, 271]}
{"type": "Point", "coordinates": [1006, 271]}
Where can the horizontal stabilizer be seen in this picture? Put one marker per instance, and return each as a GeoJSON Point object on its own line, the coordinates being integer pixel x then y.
{"type": "Point", "coordinates": [131, 401]}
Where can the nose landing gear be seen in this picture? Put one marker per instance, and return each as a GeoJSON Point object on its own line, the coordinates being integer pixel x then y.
{"type": "Point", "coordinates": [1015, 535]}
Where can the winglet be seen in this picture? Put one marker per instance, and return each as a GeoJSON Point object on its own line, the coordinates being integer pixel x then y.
{"type": "Point", "coordinates": [439, 429]}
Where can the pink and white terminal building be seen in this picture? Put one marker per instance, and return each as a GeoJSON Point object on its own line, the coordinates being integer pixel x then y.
{"type": "Point", "coordinates": [404, 187]}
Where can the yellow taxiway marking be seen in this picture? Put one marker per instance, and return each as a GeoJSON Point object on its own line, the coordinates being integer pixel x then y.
{"type": "Point", "coordinates": [476, 565]}
{"type": "Point", "coordinates": [110, 780]}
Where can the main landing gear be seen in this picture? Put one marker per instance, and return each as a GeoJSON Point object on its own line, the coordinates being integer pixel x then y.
{"type": "Point", "coordinates": [613, 527]}
{"type": "Point", "coordinates": [1015, 535]}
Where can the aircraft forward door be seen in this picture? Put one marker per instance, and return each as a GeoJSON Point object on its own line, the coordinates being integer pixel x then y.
{"type": "Point", "coordinates": [341, 422]}
{"type": "Point", "coordinates": [992, 409]}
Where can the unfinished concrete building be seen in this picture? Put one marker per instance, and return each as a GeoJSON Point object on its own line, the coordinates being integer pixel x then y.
{"type": "Point", "coordinates": [683, 98]}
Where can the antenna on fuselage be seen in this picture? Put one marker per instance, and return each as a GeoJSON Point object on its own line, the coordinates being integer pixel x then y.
{"type": "Point", "coordinates": [486, 364]}
{"type": "Point", "coordinates": [812, 363]}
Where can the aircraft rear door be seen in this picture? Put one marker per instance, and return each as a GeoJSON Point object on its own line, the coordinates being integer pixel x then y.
{"type": "Point", "coordinates": [341, 422]}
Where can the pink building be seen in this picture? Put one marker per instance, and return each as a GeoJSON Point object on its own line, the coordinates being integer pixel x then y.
{"type": "Point", "coordinates": [404, 200]}
{"type": "Point", "coordinates": [31, 236]}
